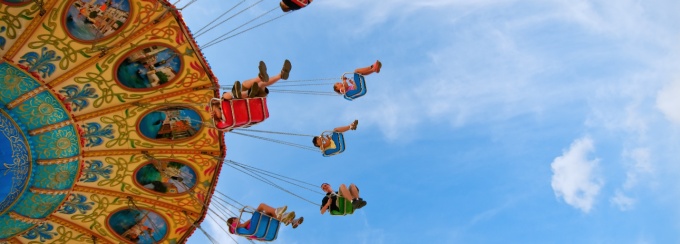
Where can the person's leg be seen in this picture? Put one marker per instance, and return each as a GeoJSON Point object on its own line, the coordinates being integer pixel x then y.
{"type": "Point", "coordinates": [217, 112]}
{"type": "Point", "coordinates": [345, 192]}
{"type": "Point", "coordinates": [266, 209]}
{"type": "Point", "coordinates": [352, 126]}
{"type": "Point", "coordinates": [354, 191]}
{"type": "Point", "coordinates": [227, 96]}
{"type": "Point", "coordinates": [365, 70]}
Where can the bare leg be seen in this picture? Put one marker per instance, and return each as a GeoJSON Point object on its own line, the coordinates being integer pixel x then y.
{"type": "Point", "coordinates": [247, 84]}
{"type": "Point", "coordinates": [341, 128]}
{"type": "Point", "coordinates": [370, 69]}
{"type": "Point", "coordinates": [352, 126]}
{"type": "Point", "coordinates": [266, 209]}
{"type": "Point", "coordinates": [364, 71]}
{"type": "Point", "coordinates": [217, 111]}
{"type": "Point", "coordinates": [345, 192]}
{"type": "Point", "coordinates": [227, 96]}
{"type": "Point", "coordinates": [354, 191]}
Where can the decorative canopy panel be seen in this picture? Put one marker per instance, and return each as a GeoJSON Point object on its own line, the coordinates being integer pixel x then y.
{"type": "Point", "coordinates": [103, 110]}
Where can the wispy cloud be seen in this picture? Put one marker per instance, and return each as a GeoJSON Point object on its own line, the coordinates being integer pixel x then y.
{"type": "Point", "coordinates": [574, 178]}
{"type": "Point", "coordinates": [668, 102]}
{"type": "Point", "coordinates": [623, 202]}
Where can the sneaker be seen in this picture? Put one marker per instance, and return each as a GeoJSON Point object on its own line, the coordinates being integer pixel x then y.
{"type": "Point", "coordinates": [285, 71]}
{"type": "Point", "coordinates": [356, 203]}
{"type": "Point", "coordinates": [353, 125]}
{"type": "Point", "coordinates": [298, 222]}
{"type": "Point", "coordinates": [280, 211]}
{"type": "Point", "coordinates": [362, 203]}
{"type": "Point", "coordinates": [377, 66]}
{"type": "Point", "coordinates": [264, 77]}
{"type": "Point", "coordinates": [288, 217]}
{"type": "Point", "coordinates": [254, 90]}
{"type": "Point", "coordinates": [236, 90]}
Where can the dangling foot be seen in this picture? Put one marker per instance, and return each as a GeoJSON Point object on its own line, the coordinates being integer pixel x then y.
{"type": "Point", "coordinates": [287, 217]}
{"type": "Point", "coordinates": [280, 211]}
{"type": "Point", "coordinates": [376, 66]}
{"type": "Point", "coordinates": [362, 203]}
{"type": "Point", "coordinates": [285, 71]}
{"type": "Point", "coordinates": [264, 77]}
{"type": "Point", "coordinates": [353, 125]}
{"type": "Point", "coordinates": [254, 90]}
{"type": "Point", "coordinates": [298, 222]}
{"type": "Point", "coordinates": [236, 90]}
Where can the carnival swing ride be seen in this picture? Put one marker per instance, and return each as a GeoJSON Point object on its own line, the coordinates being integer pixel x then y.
{"type": "Point", "coordinates": [108, 134]}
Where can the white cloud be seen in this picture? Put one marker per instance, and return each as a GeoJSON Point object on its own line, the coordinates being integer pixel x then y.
{"type": "Point", "coordinates": [622, 201]}
{"type": "Point", "coordinates": [574, 178]}
{"type": "Point", "coordinates": [668, 101]}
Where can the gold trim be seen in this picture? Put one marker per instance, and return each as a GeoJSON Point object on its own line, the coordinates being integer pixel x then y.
{"type": "Point", "coordinates": [19, 217]}
{"type": "Point", "coordinates": [28, 95]}
{"type": "Point", "coordinates": [49, 128]}
{"type": "Point", "coordinates": [49, 191]}
{"type": "Point", "coordinates": [57, 161]}
{"type": "Point", "coordinates": [215, 153]}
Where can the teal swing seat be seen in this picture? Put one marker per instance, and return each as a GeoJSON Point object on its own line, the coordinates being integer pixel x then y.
{"type": "Point", "coordinates": [338, 140]}
{"type": "Point", "coordinates": [360, 90]}
{"type": "Point", "coordinates": [262, 227]}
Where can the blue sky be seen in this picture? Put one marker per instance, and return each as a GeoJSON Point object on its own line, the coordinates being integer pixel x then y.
{"type": "Point", "coordinates": [492, 121]}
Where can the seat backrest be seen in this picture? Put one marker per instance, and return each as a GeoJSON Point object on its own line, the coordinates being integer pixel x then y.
{"type": "Point", "coordinates": [360, 90]}
{"type": "Point", "coordinates": [254, 224]}
{"type": "Point", "coordinates": [345, 207]}
{"type": "Point", "coordinates": [263, 227]}
{"type": "Point", "coordinates": [242, 113]}
{"type": "Point", "coordinates": [339, 141]}
{"type": "Point", "coordinates": [272, 230]}
{"type": "Point", "coordinates": [258, 109]}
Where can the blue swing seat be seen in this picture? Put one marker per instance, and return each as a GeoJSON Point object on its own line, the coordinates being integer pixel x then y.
{"type": "Point", "coordinates": [339, 141]}
{"type": "Point", "coordinates": [360, 89]}
{"type": "Point", "coordinates": [262, 227]}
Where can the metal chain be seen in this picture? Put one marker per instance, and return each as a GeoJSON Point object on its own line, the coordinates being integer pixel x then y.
{"type": "Point", "coordinates": [273, 184]}
{"type": "Point", "coordinates": [246, 30]}
{"type": "Point", "coordinates": [222, 15]}
{"type": "Point", "coordinates": [225, 34]}
{"type": "Point", "coordinates": [279, 141]}
{"type": "Point", "coordinates": [273, 132]}
{"type": "Point", "coordinates": [275, 176]}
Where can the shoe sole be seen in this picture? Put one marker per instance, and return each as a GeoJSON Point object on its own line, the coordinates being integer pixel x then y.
{"type": "Point", "coordinates": [264, 77]}
{"type": "Point", "coordinates": [285, 72]}
{"type": "Point", "coordinates": [254, 90]}
{"type": "Point", "coordinates": [236, 90]}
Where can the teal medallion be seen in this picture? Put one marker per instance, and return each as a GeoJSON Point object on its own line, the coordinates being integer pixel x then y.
{"type": "Point", "coordinates": [15, 161]}
{"type": "Point", "coordinates": [39, 161]}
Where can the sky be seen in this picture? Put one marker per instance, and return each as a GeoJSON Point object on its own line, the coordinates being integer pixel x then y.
{"type": "Point", "coordinates": [491, 121]}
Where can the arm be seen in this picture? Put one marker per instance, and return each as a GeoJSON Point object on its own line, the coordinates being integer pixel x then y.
{"type": "Point", "coordinates": [244, 224]}
{"type": "Point", "coordinates": [326, 202]}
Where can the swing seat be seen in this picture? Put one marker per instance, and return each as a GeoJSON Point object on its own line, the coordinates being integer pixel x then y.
{"type": "Point", "coordinates": [360, 87]}
{"type": "Point", "coordinates": [262, 227]}
{"type": "Point", "coordinates": [345, 207]}
{"type": "Point", "coordinates": [339, 141]}
{"type": "Point", "coordinates": [241, 112]}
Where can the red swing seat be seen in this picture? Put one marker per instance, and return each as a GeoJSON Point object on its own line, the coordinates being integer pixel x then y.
{"type": "Point", "coordinates": [241, 113]}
